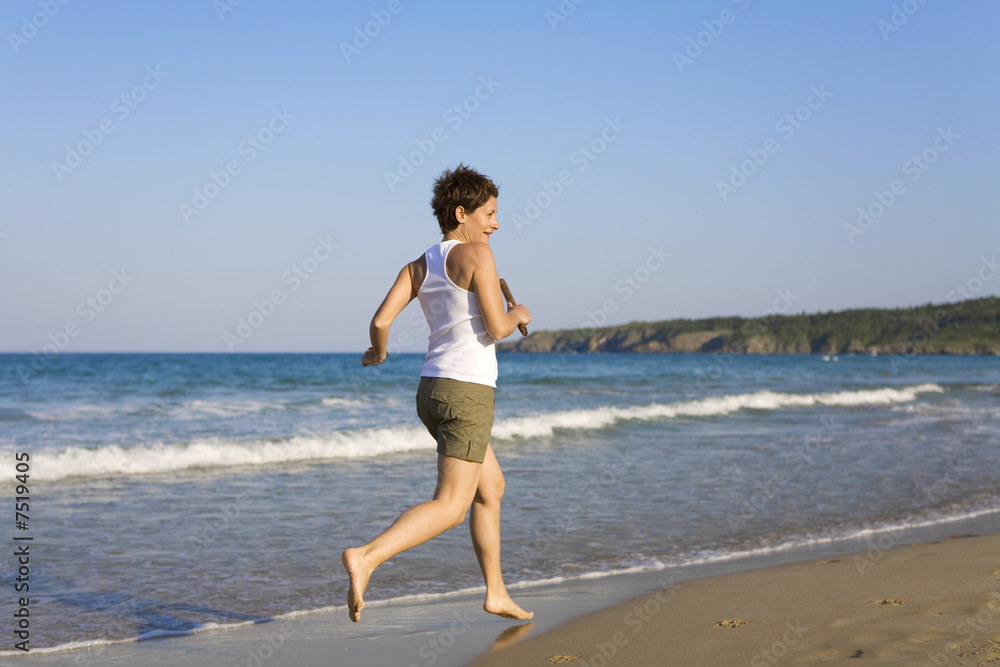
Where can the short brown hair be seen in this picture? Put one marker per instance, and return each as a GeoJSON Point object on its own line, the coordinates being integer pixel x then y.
{"type": "Point", "coordinates": [463, 187]}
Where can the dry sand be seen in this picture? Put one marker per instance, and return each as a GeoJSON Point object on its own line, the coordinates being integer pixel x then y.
{"type": "Point", "coordinates": [933, 603]}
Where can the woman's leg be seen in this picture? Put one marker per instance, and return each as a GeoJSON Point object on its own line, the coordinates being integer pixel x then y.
{"type": "Point", "coordinates": [456, 487]}
{"type": "Point", "coordinates": [484, 523]}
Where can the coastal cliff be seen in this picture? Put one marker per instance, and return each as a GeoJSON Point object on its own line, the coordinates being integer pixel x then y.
{"type": "Point", "coordinates": [963, 327]}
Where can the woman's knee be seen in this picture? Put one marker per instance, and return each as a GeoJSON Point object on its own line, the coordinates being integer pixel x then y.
{"type": "Point", "coordinates": [492, 492]}
{"type": "Point", "coordinates": [454, 509]}
{"type": "Point", "coordinates": [458, 515]}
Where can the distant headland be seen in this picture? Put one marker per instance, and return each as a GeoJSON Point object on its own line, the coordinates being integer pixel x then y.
{"type": "Point", "coordinates": [962, 327]}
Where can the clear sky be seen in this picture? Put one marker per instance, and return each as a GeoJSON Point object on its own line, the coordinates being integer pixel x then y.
{"type": "Point", "coordinates": [171, 168]}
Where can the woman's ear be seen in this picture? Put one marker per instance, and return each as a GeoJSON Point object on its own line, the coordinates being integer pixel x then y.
{"type": "Point", "coordinates": [460, 213]}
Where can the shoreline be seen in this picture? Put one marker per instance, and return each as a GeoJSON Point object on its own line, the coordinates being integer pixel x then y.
{"type": "Point", "coordinates": [454, 630]}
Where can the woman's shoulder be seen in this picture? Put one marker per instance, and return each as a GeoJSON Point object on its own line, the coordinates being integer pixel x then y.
{"type": "Point", "coordinates": [417, 270]}
{"type": "Point", "coordinates": [468, 259]}
{"type": "Point", "coordinates": [472, 252]}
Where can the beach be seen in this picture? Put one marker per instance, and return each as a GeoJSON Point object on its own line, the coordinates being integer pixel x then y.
{"type": "Point", "coordinates": [192, 505]}
{"type": "Point", "coordinates": [932, 602]}
{"type": "Point", "coordinates": [751, 414]}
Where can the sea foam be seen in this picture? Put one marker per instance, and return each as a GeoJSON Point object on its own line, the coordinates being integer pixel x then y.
{"type": "Point", "coordinates": [220, 453]}
{"type": "Point", "coordinates": [543, 425]}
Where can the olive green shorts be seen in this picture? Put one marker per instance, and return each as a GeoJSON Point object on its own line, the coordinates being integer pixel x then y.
{"type": "Point", "coordinates": [459, 415]}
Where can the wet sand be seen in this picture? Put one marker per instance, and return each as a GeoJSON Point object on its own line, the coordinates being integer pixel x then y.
{"type": "Point", "coordinates": [866, 602]}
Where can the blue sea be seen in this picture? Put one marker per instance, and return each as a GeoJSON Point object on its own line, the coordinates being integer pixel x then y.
{"type": "Point", "coordinates": [174, 493]}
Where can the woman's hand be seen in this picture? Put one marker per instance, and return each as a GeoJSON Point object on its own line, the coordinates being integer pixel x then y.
{"type": "Point", "coordinates": [522, 314]}
{"type": "Point", "coordinates": [371, 358]}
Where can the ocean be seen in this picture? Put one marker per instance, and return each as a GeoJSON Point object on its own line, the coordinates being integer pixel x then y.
{"type": "Point", "coordinates": [175, 493]}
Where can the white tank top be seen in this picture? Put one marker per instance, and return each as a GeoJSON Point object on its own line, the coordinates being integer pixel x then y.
{"type": "Point", "coordinates": [459, 346]}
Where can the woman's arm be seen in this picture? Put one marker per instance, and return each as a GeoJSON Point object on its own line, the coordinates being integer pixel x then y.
{"type": "Point", "coordinates": [500, 323]}
{"type": "Point", "coordinates": [400, 294]}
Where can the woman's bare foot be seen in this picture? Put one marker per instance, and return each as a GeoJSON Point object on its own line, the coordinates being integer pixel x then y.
{"type": "Point", "coordinates": [502, 605]}
{"type": "Point", "coordinates": [359, 581]}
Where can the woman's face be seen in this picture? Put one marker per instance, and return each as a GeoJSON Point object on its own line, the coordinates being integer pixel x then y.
{"type": "Point", "coordinates": [479, 224]}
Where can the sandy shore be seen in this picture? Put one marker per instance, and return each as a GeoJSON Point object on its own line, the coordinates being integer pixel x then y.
{"type": "Point", "coordinates": [870, 602]}
{"type": "Point", "coordinates": [932, 603]}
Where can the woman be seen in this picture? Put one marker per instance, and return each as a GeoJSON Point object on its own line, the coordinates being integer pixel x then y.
{"type": "Point", "coordinates": [459, 291]}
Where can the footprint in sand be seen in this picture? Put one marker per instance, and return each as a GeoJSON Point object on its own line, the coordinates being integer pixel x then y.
{"type": "Point", "coordinates": [731, 624]}
{"type": "Point", "coordinates": [560, 659]}
{"type": "Point", "coordinates": [830, 654]}
{"type": "Point", "coordinates": [894, 601]}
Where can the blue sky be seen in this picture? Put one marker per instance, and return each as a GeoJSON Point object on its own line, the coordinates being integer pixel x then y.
{"type": "Point", "coordinates": [172, 168]}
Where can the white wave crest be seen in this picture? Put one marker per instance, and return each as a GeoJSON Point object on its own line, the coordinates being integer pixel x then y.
{"type": "Point", "coordinates": [82, 412]}
{"type": "Point", "coordinates": [341, 402]}
{"type": "Point", "coordinates": [227, 408]}
{"type": "Point", "coordinates": [219, 453]}
{"type": "Point", "coordinates": [544, 425]}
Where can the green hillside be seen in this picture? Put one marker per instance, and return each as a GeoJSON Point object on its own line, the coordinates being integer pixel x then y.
{"type": "Point", "coordinates": [963, 327]}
